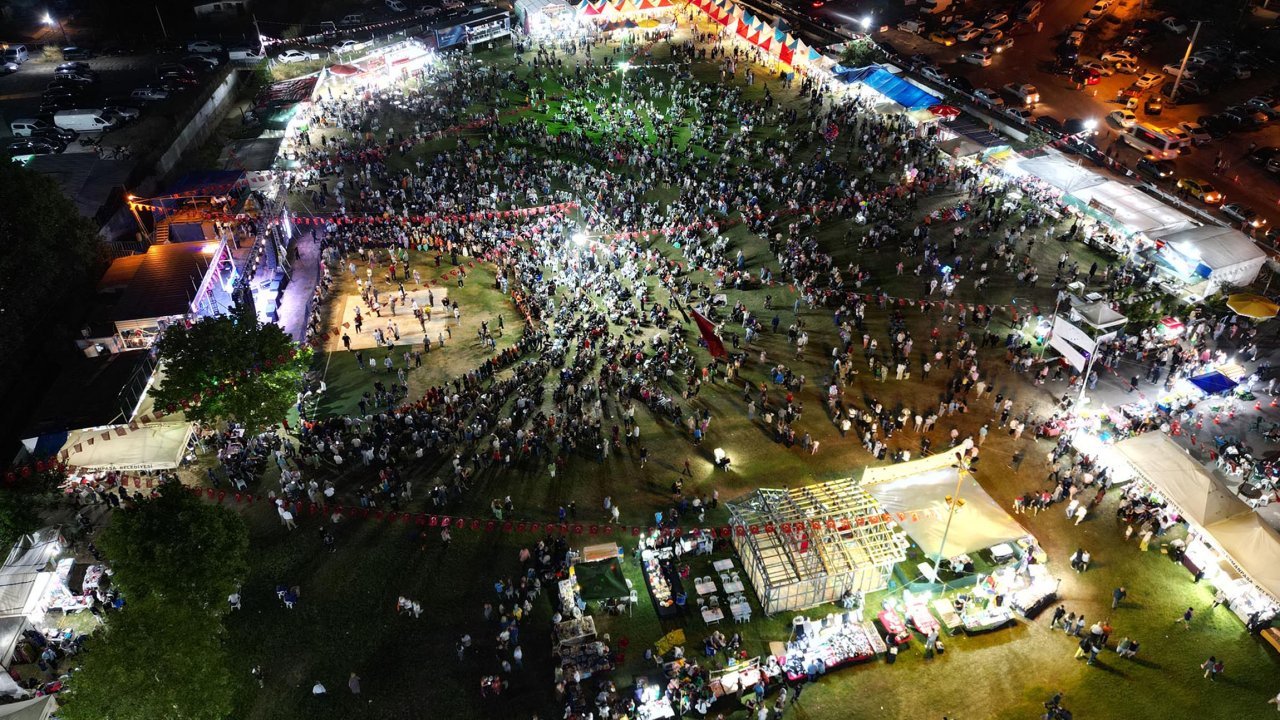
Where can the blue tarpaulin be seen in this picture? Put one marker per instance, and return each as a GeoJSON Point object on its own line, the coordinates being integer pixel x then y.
{"type": "Point", "coordinates": [891, 86]}
{"type": "Point", "coordinates": [1214, 383]}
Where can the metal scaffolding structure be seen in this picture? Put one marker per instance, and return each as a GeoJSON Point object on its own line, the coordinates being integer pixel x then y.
{"type": "Point", "coordinates": [838, 541]}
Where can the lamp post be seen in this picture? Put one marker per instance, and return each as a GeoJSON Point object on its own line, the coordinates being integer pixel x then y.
{"type": "Point", "coordinates": [132, 200]}
{"type": "Point", "coordinates": [962, 471]}
{"type": "Point", "coordinates": [52, 21]}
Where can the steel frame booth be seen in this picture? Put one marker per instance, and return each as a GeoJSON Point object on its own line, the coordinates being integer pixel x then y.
{"type": "Point", "coordinates": [838, 542]}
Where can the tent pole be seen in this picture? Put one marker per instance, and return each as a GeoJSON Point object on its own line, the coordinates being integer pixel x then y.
{"type": "Point", "coordinates": [961, 471]}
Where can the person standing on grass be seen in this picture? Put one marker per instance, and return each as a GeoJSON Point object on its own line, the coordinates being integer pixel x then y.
{"type": "Point", "coordinates": [445, 538]}
{"type": "Point", "coordinates": [1186, 618]}
{"type": "Point", "coordinates": [1117, 596]}
{"type": "Point", "coordinates": [353, 684]}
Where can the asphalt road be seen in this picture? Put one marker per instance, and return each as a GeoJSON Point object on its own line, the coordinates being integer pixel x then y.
{"type": "Point", "coordinates": [1242, 181]}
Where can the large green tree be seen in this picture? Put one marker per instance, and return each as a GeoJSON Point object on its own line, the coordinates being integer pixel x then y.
{"type": "Point", "coordinates": [231, 368]}
{"type": "Point", "coordinates": [154, 659]}
{"type": "Point", "coordinates": [177, 548]}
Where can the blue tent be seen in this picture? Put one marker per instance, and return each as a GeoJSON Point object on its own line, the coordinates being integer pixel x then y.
{"type": "Point", "coordinates": [891, 86]}
{"type": "Point", "coordinates": [1214, 383]}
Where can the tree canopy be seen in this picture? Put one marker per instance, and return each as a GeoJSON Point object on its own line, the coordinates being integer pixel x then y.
{"type": "Point", "coordinates": [231, 368]}
{"type": "Point", "coordinates": [156, 659]}
{"type": "Point", "coordinates": [177, 548]}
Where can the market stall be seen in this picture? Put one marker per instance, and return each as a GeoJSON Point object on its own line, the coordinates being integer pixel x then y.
{"type": "Point", "coordinates": [738, 676]}
{"type": "Point", "coordinates": [662, 578]}
{"type": "Point", "coordinates": [895, 629]}
{"type": "Point", "coordinates": [576, 647]}
{"type": "Point", "coordinates": [822, 645]}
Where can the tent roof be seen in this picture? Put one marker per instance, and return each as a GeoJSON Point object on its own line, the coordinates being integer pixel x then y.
{"type": "Point", "coordinates": [33, 709]}
{"type": "Point", "coordinates": [158, 283]}
{"type": "Point", "coordinates": [1059, 171]}
{"type": "Point", "coordinates": [157, 446]}
{"type": "Point", "coordinates": [1213, 383]}
{"type": "Point", "coordinates": [891, 86]}
{"type": "Point", "coordinates": [29, 556]}
{"type": "Point", "coordinates": [1254, 547]}
{"type": "Point", "coordinates": [1100, 315]}
{"type": "Point", "coordinates": [1185, 483]}
{"type": "Point", "coordinates": [979, 521]}
{"type": "Point", "coordinates": [1133, 209]}
{"type": "Point", "coordinates": [1216, 247]}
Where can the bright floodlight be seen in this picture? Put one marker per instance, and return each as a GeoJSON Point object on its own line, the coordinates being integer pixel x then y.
{"type": "Point", "coordinates": [624, 65]}
{"type": "Point", "coordinates": [866, 22]}
{"type": "Point", "coordinates": [580, 238]}
{"type": "Point", "coordinates": [48, 19]}
{"type": "Point", "coordinates": [1090, 124]}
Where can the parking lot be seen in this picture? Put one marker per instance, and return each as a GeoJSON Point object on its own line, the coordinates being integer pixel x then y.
{"type": "Point", "coordinates": [1222, 161]}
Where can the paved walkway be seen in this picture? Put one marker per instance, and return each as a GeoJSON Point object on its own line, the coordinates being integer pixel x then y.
{"type": "Point", "coordinates": [295, 300]}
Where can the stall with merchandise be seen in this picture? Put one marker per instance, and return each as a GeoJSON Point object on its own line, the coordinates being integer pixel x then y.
{"type": "Point", "coordinates": [818, 646]}
{"type": "Point", "coordinates": [578, 651]}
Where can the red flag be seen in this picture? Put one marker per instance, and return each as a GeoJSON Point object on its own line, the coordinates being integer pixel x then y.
{"type": "Point", "coordinates": [708, 330]}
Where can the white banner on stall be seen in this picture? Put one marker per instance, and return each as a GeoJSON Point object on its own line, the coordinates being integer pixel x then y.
{"type": "Point", "coordinates": [1069, 352]}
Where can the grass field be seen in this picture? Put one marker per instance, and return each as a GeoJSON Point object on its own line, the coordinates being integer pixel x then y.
{"type": "Point", "coordinates": [346, 621]}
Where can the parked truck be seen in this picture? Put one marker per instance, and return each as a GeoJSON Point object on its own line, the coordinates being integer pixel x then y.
{"type": "Point", "coordinates": [933, 7]}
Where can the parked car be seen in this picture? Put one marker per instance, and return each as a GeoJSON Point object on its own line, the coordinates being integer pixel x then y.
{"type": "Point", "coordinates": [201, 63]}
{"type": "Point", "coordinates": [72, 80]}
{"type": "Point", "coordinates": [295, 56]}
{"type": "Point", "coordinates": [1153, 105]}
{"type": "Point", "coordinates": [150, 93]}
{"type": "Point", "coordinates": [960, 83]}
{"type": "Point", "coordinates": [396, 6]}
{"type": "Point", "coordinates": [1246, 216]}
{"type": "Point", "coordinates": [1021, 113]}
{"type": "Point", "coordinates": [1102, 69]}
{"type": "Point", "coordinates": [122, 113]}
{"type": "Point", "coordinates": [203, 46]}
{"type": "Point", "coordinates": [934, 73]}
{"type": "Point", "coordinates": [958, 26]}
{"type": "Point", "coordinates": [1155, 168]}
{"type": "Point", "coordinates": [1098, 10]}
{"type": "Point", "coordinates": [1260, 155]}
{"type": "Point", "coordinates": [8, 68]}
{"type": "Point", "coordinates": [1122, 119]}
{"type": "Point", "coordinates": [1049, 124]}
{"type": "Point", "coordinates": [35, 127]}
{"type": "Point", "coordinates": [74, 66]}
{"type": "Point", "coordinates": [980, 57]}
{"type": "Point", "coordinates": [1115, 56]}
{"type": "Point", "coordinates": [1128, 67]}
{"type": "Point", "coordinates": [345, 46]}
{"type": "Point", "coordinates": [33, 146]}
{"type": "Point", "coordinates": [76, 53]}
{"type": "Point", "coordinates": [991, 36]}
{"type": "Point", "coordinates": [996, 21]}
{"type": "Point", "coordinates": [1075, 38]}
{"type": "Point", "coordinates": [15, 54]}
{"type": "Point", "coordinates": [70, 93]}
{"type": "Point", "coordinates": [1201, 190]}
{"type": "Point", "coordinates": [1149, 80]}
{"type": "Point", "coordinates": [1174, 25]}
{"type": "Point", "coordinates": [968, 34]}
{"type": "Point", "coordinates": [989, 96]}
{"type": "Point", "coordinates": [944, 39]}
{"type": "Point", "coordinates": [1199, 135]}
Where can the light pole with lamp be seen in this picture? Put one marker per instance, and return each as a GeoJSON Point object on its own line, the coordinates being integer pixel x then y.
{"type": "Point", "coordinates": [132, 200]}
{"type": "Point", "coordinates": [52, 21]}
{"type": "Point", "coordinates": [962, 471]}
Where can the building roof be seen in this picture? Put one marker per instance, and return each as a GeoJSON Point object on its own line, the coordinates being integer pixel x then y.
{"type": "Point", "coordinates": [161, 282]}
{"type": "Point", "coordinates": [92, 392]}
{"type": "Point", "coordinates": [85, 178]}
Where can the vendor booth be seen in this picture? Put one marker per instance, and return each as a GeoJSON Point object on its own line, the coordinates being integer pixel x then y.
{"type": "Point", "coordinates": [1180, 480]}
{"type": "Point", "coordinates": [827, 643]}
{"type": "Point", "coordinates": [156, 446]}
{"type": "Point", "coordinates": [806, 546]}
{"type": "Point", "coordinates": [1247, 570]}
{"type": "Point", "coordinates": [1219, 255]}
{"type": "Point", "coordinates": [597, 577]}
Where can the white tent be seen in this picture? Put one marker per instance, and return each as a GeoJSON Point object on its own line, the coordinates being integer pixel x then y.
{"type": "Point", "coordinates": [157, 446]}
{"type": "Point", "coordinates": [29, 558]}
{"type": "Point", "coordinates": [1132, 210]}
{"type": "Point", "coordinates": [1218, 254]}
{"type": "Point", "coordinates": [34, 709]}
{"type": "Point", "coordinates": [1254, 548]}
{"type": "Point", "coordinates": [1059, 171]}
{"type": "Point", "coordinates": [921, 500]}
{"type": "Point", "coordinates": [1185, 483]}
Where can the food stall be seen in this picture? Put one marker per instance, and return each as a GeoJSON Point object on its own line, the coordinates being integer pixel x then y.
{"type": "Point", "coordinates": [574, 643]}
{"type": "Point", "coordinates": [738, 677]}
{"type": "Point", "coordinates": [836, 640]}
{"type": "Point", "coordinates": [652, 702]}
{"type": "Point", "coordinates": [946, 611]}
{"type": "Point", "coordinates": [663, 581]}
{"type": "Point", "coordinates": [1037, 591]}
{"type": "Point", "coordinates": [916, 606]}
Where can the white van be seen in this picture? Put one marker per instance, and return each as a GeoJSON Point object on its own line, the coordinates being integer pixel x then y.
{"type": "Point", "coordinates": [396, 6]}
{"type": "Point", "coordinates": [911, 26]}
{"type": "Point", "coordinates": [15, 54]}
{"type": "Point", "coordinates": [84, 120]}
{"type": "Point", "coordinates": [244, 54]}
{"type": "Point", "coordinates": [352, 19]}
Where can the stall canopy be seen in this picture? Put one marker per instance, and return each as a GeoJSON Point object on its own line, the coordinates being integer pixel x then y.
{"type": "Point", "coordinates": [1213, 253]}
{"type": "Point", "coordinates": [18, 578]}
{"type": "Point", "coordinates": [1130, 209]}
{"type": "Point", "coordinates": [889, 85]}
{"type": "Point", "coordinates": [1185, 483]}
{"type": "Point", "coordinates": [1058, 170]}
{"type": "Point", "coordinates": [157, 446]}
{"type": "Point", "coordinates": [1254, 548]}
{"type": "Point", "coordinates": [1214, 383]}
{"type": "Point", "coordinates": [34, 709]}
{"type": "Point", "coordinates": [922, 498]}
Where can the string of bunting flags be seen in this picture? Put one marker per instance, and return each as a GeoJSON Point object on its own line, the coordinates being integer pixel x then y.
{"type": "Point", "coordinates": [490, 525]}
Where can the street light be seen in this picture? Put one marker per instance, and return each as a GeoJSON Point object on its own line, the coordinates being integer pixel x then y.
{"type": "Point", "coordinates": [1090, 125]}
{"type": "Point", "coordinates": [132, 201]}
{"type": "Point", "coordinates": [51, 21]}
{"type": "Point", "coordinates": [865, 22]}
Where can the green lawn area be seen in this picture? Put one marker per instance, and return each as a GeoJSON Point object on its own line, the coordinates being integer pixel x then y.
{"type": "Point", "coordinates": [346, 619]}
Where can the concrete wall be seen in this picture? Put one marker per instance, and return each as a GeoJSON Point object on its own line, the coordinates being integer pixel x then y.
{"type": "Point", "coordinates": [201, 125]}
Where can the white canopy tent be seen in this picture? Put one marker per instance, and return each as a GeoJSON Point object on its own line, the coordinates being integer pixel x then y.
{"type": "Point", "coordinates": [1059, 171]}
{"type": "Point", "coordinates": [24, 580]}
{"type": "Point", "coordinates": [1132, 210]}
{"type": "Point", "coordinates": [157, 446]}
{"type": "Point", "coordinates": [1253, 547]}
{"type": "Point", "coordinates": [1185, 483]}
{"type": "Point", "coordinates": [919, 502]}
{"type": "Point", "coordinates": [34, 709]}
{"type": "Point", "coordinates": [1217, 254]}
